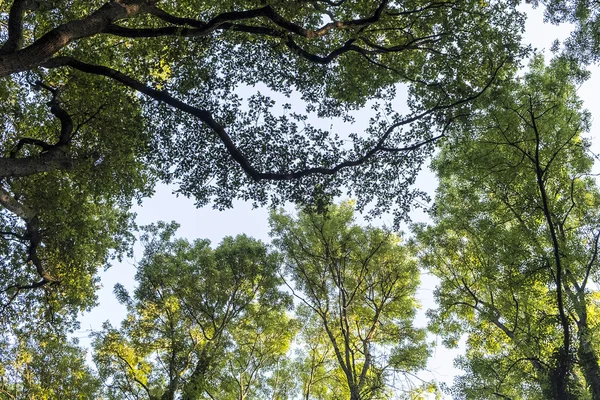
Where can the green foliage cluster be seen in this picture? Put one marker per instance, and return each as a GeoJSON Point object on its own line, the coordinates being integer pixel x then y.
{"type": "Point", "coordinates": [218, 323]}
{"type": "Point", "coordinates": [200, 321]}
{"type": "Point", "coordinates": [356, 289]}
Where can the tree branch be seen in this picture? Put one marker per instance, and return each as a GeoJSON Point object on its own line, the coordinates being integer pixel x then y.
{"type": "Point", "coordinates": [33, 235]}
{"type": "Point", "coordinates": [66, 122]}
{"type": "Point", "coordinates": [235, 153]}
{"type": "Point", "coordinates": [15, 25]}
{"type": "Point", "coordinates": [49, 44]}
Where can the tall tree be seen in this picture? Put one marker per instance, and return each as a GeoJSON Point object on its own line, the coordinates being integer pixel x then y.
{"type": "Point", "coordinates": [359, 284]}
{"type": "Point", "coordinates": [202, 323]}
{"type": "Point", "coordinates": [515, 243]}
{"type": "Point", "coordinates": [103, 97]}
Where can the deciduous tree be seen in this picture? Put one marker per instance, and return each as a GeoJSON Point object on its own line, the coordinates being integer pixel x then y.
{"type": "Point", "coordinates": [357, 288]}
{"type": "Point", "coordinates": [515, 243]}
{"type": "Point", "coordinates": [202, 323]}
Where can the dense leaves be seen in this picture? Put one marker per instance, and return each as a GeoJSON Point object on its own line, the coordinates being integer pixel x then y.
{"type": "Point", "coordinates": [45, 366]}
{"type": "Point", "coordinates": [515, 243]}
{"type": "Point", "coordinates": [216, 323]}
{"type": "Point", "coordinates": [103, 98]}
{"type": "Point", "coordinates": [257, 100]}
{"type": "Point", "coordinates": [202, 322]}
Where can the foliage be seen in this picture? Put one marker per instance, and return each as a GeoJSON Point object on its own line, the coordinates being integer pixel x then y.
{"type": "Point", "coordinates": [215, 323]}
{"type": "Point", "coordinates": [58, 227]}
{"type": "Point", "coordinates": [583, 45]}
{"type": "Point", "coordinates": [515, 243]}
{"type": "Point", "coordinates": [102, 98]}
{"type": "Point", "coordinates": [45, 367]}
{"type": "Point", "coordinates": [202, 322]}
{"type": "Point", "coordinates": [356, 287]}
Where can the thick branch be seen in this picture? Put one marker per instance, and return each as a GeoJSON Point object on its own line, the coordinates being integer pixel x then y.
{"type": "Point", "coordinates": [225, 22]}
{"type": "Point", "coordinates": [269, 13]}
{"type": "Point", "coordinates": [23, 141]}
{"type": "Point", "coordinates": [55, 159]}
{"type": "Point", "coordinates": [12, 205]}
{"type": "Point", "coordinates": [15, 25]}
{"type": "Point", "coordinates": [66, 122]}
{"type": "Point", "coordinates": [178, 31]}
{"type": "Point", "coordinates": [53, 41]}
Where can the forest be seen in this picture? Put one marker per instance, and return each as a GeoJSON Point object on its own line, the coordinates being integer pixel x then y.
{"type": "Point", "coordinates": [264, 102]}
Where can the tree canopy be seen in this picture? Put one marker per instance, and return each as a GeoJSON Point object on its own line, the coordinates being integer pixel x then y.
{"type": "Point", "coordinates": [104, 98]}
{"type": "Point", "coordinates": [515, 243]}
{"type": "Point", "coordinates": [257, 100]}
{"type": "Point", "coordinates": [202, 323]}
{"type": "Point", "coordinates": [219, 323]}
{"type": "Point", "coordinates": [356, 288]}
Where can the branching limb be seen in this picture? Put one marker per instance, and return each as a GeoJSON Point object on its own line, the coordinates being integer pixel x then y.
{"type": "Point", "coordinates": [15, 25]}
{"type": "Point", "coordinates": [55, 159]}
{"type": "Point", "coordinates": [269, 13]}
{"type": "Point", "coordinates": [53, 156]}
{"type": "Point", "coordinates": [36, 142]}
{"type": "Point", "coordinates": [33, 235]}
{"type": "Point", "coordinates": [235, 153]}
{"type": "Point", "coordinates": [59, 37]}
{"type": "Point", "coordinates": [66, 122]}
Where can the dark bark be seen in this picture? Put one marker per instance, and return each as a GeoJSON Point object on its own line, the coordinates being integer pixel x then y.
{"type": "Point", "coordinates": [588, 359]}
{"type": "Point", "coordinates": [15, 25]}
{"type": "Point", "coordinates": [49, 44]}
{"type": "Point", "coordinates": [55, 159]}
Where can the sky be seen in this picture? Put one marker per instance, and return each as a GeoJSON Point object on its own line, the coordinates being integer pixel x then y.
{"type": "Point", "coordinates": [242, 218]}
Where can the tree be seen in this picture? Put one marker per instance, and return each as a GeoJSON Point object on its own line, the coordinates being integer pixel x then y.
{"type": "Point", "coordinates": [515, 243]}
{"type": "Point", "coordinates": [257, 357]}
{"type": "Point", "coordinates": [357, 288]}
{"type": "Point", "coordinates": [202, 323]}
{"type": "Point", "coordinates": [45, 366]}
{"type": "Point", "coordinates": [105, 97]}
{"type": "Point", "coordinates": [59, 226]}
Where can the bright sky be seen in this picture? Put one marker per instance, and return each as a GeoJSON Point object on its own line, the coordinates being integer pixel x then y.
{"type": "Point", "coordinates": [214, 225]}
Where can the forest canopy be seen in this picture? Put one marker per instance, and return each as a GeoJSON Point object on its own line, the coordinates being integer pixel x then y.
{"type": "Point", "coordinates": [104, 99]}
{"type": "Point", "coordinates": [258, 101]}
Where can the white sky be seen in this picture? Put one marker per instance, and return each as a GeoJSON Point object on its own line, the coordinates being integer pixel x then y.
{"type": "Point", "coordinates": [214, 225]}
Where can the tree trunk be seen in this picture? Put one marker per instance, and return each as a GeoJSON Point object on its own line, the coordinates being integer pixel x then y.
{"type": "Point", "coordinates": [588, 359]}
{"type": "Point", "coordinates": [558, 378]}
{"type": "Point", "coordinates": [354, 392]}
